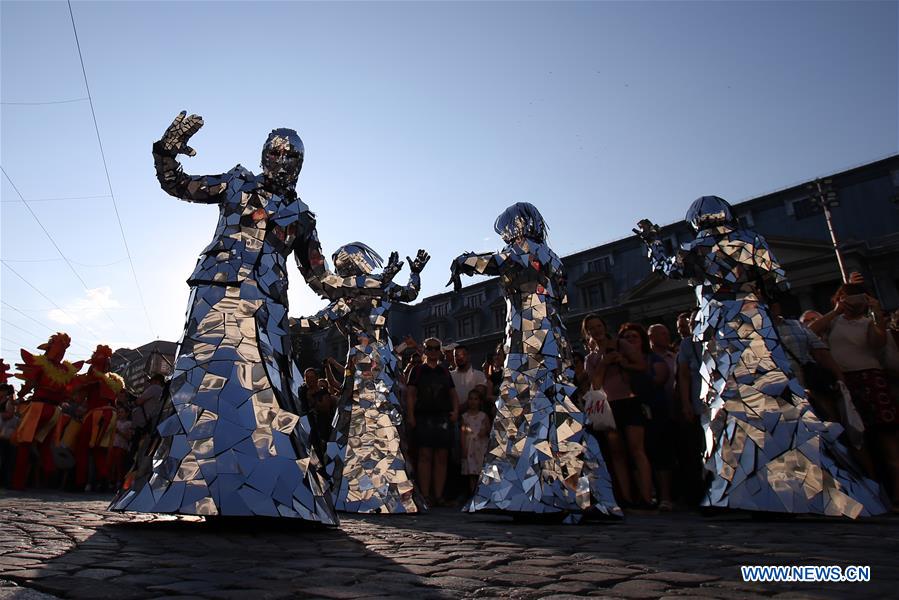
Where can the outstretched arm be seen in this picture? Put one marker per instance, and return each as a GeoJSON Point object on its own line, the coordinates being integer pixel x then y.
{"type": "Point", "coordinates": [409, 292]}
{"type": "Point", "coordinates": [774, 280]}
{"type": "Point", "coordinates": [475, 264]}
{"type": "Point", "coordinates": [172, 178]}
{"type": "Point", "coordinates": [328, 285]}
{"type": "Point", "coordinates": [322, 319]}
{"type": "Point", "coordinates": [660, 261]}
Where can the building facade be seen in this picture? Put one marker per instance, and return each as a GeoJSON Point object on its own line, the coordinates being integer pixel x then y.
{"type": "Point", "coordinates": [615, 281]}
{"type": "Point", "coordinates": [136, 365]}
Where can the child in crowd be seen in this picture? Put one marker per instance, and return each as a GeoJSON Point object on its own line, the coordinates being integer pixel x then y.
{"type": "Point", "coordinates": [118, 453]}
{"type": "Point", "coordinates": [475, 432]}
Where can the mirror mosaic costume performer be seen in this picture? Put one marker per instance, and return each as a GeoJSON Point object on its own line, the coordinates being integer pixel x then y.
{"type": "Point", "coordinates": [231, 441]}
{"type": "Point", "coordinates": [541, 459]}
{"type": "Point", "coordinates": [49, 379]}
{"type": "Point", "coordinates": [367, 458]}
{"type": "Point", "coordinates": [765, 448]}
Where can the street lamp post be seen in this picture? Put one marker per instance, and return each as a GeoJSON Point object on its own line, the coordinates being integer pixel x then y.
{"type": "Point", "coordinates": [826, 197]}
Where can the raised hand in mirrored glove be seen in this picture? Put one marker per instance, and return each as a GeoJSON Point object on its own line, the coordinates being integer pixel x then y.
{"type": "Point", "coordinates": [455, 272]}
{"type": "Point", "coordinates": [394, 265]}
{"type": "Point", "coordinates": [647, 230]}
{"type": "Point", "coordinates": [175, 138]}
{"type": "Point", "coordinates": [421, 259]}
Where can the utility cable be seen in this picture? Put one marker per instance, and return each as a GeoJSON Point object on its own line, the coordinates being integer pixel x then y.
{"type": "Point", "coordinates": [52, 241]}
{"type": "Point", "coordinates": [115, 206]}
{"type": "Point", "coordinates": [61, 199]}
{"type": "Point", "coordinates": [42, 103]}
{"type": "Point", "coordinates": [50, 300]}
{"type": "Point", "coordinates": [44, 325]}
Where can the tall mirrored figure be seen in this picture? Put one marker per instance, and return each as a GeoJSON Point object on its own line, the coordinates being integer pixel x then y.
{"type": "Point", "coordinates": [540, 458]}
{"type": "Point", "coordinates": [765, 448]}
{"type": "Point", "coordinates": [230, 440]}
{"type": "Point", "coordinates": [366, 458]}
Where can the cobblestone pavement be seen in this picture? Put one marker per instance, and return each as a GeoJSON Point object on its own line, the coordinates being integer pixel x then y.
{"type": "Point", "coordinates": [66, 545]}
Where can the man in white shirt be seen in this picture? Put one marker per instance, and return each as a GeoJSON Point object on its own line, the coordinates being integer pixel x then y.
{"type": "Point", "coordinates": [465, 376]}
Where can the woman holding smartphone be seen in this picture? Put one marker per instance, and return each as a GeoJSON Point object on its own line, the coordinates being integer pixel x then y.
{"type": "Point", "coordinates": [856, 331]}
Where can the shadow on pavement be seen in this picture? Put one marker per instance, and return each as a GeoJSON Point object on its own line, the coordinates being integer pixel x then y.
{"type": "Point", "coordinates": [122, 556]}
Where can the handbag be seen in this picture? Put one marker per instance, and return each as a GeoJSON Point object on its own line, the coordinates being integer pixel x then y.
{"type": "Point", "coordinates": [598, 410]}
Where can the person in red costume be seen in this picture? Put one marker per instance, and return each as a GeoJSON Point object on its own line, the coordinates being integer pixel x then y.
{"type": "Point", "coordinates": [95, 391]}
{"type": "Point", "coordinates": [4, 375]}
{"type": "Point", "coordinates": [47, 377]}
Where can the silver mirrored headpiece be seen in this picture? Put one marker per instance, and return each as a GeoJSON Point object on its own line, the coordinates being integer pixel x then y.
{"type": "Point", "coordinates": [709, 211]}
{"type": "Point", "coordinates": [355, 258]}
{"type": "Point", "coordinates": [522, 219]}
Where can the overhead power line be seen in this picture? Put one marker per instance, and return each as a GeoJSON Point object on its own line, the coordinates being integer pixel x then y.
{"type": "Point", "coordinates": [11, 324]}
{"type": "Point", "coordinates": [52, 241]}
{"type": "Point", "coordinates": [44, 103]}
{"type": "Point", "coordinates": [44, 325]}
{"type": "Point", "coordinates": [74, 262]}
{"type": "Point", "coordinates": [62, 199]}
{"type": "Point", "coordinates": [106, 169]}
{"type": "Point", "coordinates": [50, 300]}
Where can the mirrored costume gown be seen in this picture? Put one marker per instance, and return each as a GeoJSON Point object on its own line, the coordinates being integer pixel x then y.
{"type": "Point", "coordinates": [765, 448]}
{"type": "Point", "coordinates": [366, 459]}
{"type": "Point", "coordinates": [540, 458]}
{"type": "Point", "coordinates": [230, 441]}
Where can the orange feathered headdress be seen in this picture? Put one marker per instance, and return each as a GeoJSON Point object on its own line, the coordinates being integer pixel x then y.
{"type": "Point", "coordinates": [57, 339]}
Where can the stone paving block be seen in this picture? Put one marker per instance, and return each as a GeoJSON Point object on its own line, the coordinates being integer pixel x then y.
{"type": "Point", "coordinates": [600, 578]}
{"type": "Point", "coordinates": [424, 570]}
{"type": "Point", "coordinates": [679, 577]}
{"type": "Point", "coordinates": [521, 579]}
{"type": "Point", "coordinates": [250, 593]}
{"type": "Point", "coordinates": [568, 587]}
{"type": "Point", "coordinates": [12, 561]}
{"type": "Point", "coordinates": [639, 589]}
{"type": "Point", "coordinates": [478, 574]}
{"type": "Point", "coordinates": [98, 573]}
{"type": "Point", "coordinates": [336, 592]}
{"type": "Point", "coordinates": [183, 587]}
{"type": "Point", "coordinates": [83, 587]}
{"type": "Point", "coordinates": [452, 583]}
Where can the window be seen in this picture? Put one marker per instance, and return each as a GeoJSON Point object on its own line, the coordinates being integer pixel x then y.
{"type": "Point", "coordinates": [745, 220]}
{"type": "Point", "coordinates": [474, 300]}
{"type": "Point", "coordinates": [432, 330]}
{"type": "Point", "coordinates": [466, 326]}
{"type": "Point", "coordinates": [594, 295]}
{"type": "Point", "coordinates": [499, 318]}
{"type": "Point", "coordinates": [440, 310]}
{"type": "Point", "coordinates": [603, 264]}
{"type": "Point", "coordinates": [803, 208]}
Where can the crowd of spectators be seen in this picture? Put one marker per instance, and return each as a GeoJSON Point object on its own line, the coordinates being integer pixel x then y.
{"type": "Point", "coordinates": [846, 359]}
{"type": "Point", "coordinates": [73, 461]}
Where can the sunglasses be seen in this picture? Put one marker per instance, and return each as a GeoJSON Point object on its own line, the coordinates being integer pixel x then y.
{"type": "Point", "coordinates": [437, 348]}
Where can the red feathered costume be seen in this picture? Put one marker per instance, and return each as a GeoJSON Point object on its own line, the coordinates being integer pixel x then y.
{"type": "Point", "coordinates": [96, 392]}
{"type": "Point", "coordinates": [49, 377]}
{"type": "Point", "coordinates": [4, 375]}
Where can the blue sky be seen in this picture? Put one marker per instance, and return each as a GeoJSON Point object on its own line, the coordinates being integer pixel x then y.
{"type": "Point", "coordinates": [421, 121]}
